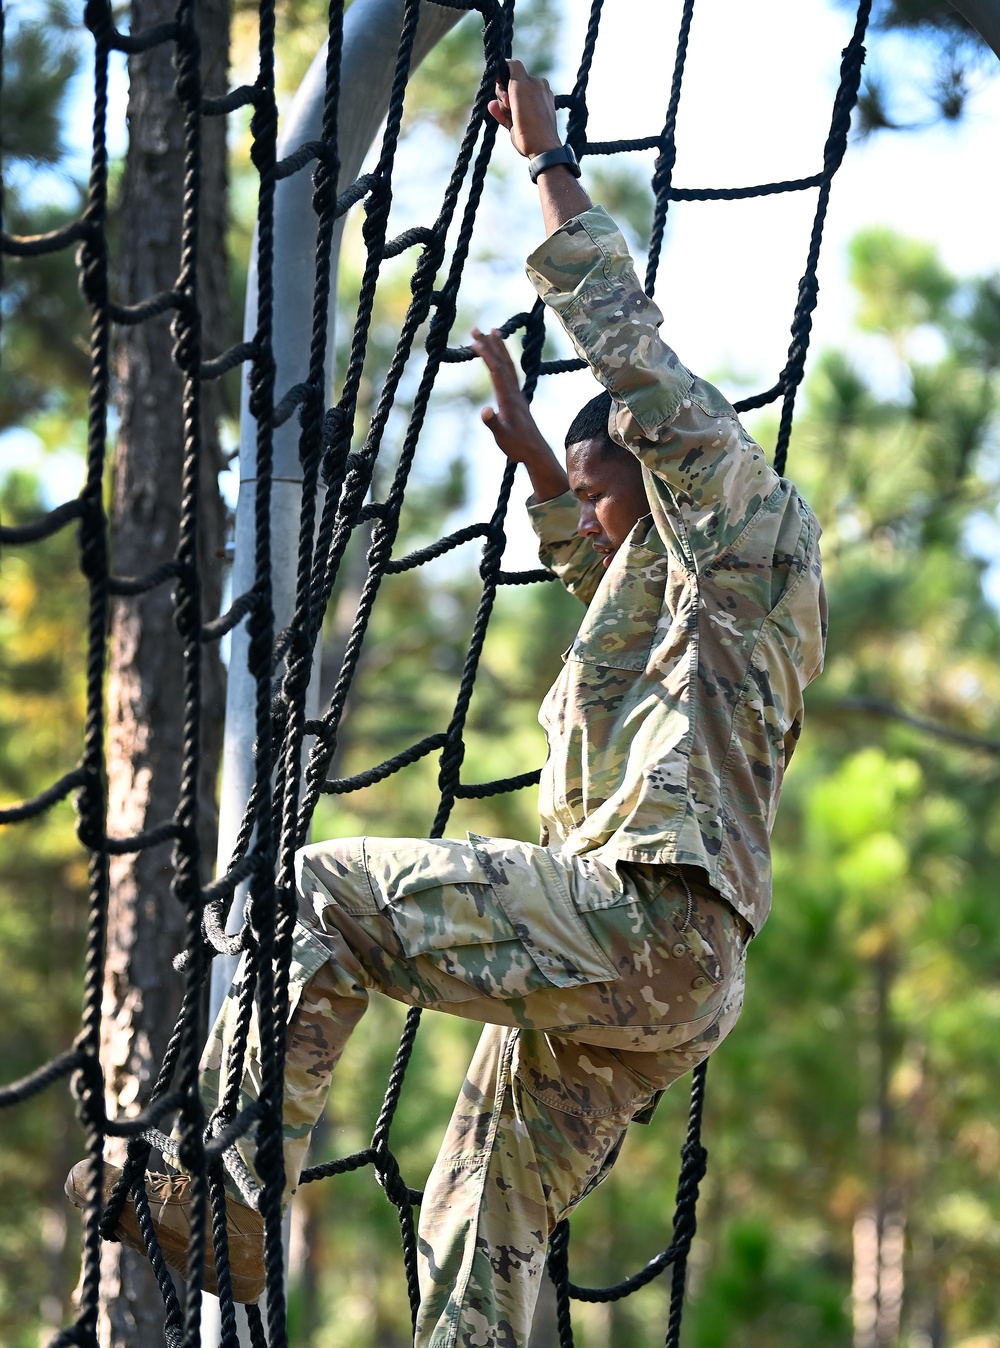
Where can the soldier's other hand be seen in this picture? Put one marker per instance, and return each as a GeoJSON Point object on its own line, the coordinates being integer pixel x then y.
{"type": "Point", "coordinates": [527, 108]}
{"type": "Point", "coordinates": [510, 422]}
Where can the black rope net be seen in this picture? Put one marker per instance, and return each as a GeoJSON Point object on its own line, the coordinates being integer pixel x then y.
{"type": "Point", "coordinates": [293, 754]}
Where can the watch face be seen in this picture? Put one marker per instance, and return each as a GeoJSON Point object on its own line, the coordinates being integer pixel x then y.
{"type": "Point", "coordinates": [562, 154]}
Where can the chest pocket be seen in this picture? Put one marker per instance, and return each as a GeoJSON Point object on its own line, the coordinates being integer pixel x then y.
{"type": "Point", "coordinates": [622, 618]}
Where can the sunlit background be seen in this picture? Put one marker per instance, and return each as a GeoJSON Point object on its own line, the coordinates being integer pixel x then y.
{"type": "Point", "coordinates": [852, 1124]}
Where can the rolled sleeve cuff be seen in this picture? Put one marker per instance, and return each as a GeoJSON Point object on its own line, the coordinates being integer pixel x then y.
{"type": "Point", "coordinates": [584, 249]}
{"type": "Point", "coordinates": [555, 519]}
{"type": "Point", "coordinates": [585, 275]}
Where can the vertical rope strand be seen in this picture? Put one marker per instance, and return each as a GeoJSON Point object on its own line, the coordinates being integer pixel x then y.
{"type": "Point", "coordinates": [88, 1084]}
{"type": "Point", "coordinates": [285, 792]}
{"type": "Point", "coordinates": [663, 172]}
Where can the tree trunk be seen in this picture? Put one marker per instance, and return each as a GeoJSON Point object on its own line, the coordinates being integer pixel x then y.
{"type": "Point", "coordinates": [879, 1230]}
{"type": "Point", "coordinates": [142, 992]}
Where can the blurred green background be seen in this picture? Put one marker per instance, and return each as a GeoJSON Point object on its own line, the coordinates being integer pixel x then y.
{"type": "Point", "coordinates": [853, 1117]}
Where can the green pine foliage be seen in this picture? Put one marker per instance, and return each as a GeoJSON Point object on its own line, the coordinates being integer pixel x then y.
{"type": "Point", "coordinates": [43, 886]}
{"type": "Point", "coordinates": [861, 1078]}
{"type": "Point", "coordinates": [43, 868]}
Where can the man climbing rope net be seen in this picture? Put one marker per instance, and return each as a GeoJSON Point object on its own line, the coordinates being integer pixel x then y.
{"type": "Point", "coordinates": [607, 961]}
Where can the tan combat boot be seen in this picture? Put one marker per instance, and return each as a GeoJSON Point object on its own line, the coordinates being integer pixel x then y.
{"type": "Point", "coordinates": [170, 1207]}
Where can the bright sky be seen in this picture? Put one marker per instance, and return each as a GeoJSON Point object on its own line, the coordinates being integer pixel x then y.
{"type": "Point", "coordinates": [755, 107]}
{"type": "Point", "coordinates": [756, 103]}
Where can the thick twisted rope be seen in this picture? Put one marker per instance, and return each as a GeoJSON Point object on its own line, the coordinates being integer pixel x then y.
{"type": "Point", "coordinates": [285, 794]}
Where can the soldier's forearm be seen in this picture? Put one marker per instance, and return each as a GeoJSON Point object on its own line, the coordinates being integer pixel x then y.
{"type": "Point", "coordinates": [547, 475]}
{"type": "Point", "coordinates": [561, 196]}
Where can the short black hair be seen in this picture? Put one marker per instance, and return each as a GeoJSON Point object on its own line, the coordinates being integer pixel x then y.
{"type": "Point", "coordinates": [591, 422]}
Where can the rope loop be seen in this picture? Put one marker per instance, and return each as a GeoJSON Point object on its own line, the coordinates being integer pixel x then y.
{"type": "Point", "coordinates": [294, 757]}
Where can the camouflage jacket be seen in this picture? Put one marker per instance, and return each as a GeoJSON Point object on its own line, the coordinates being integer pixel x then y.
{"type": "Point", "coordinates": [680, 701]}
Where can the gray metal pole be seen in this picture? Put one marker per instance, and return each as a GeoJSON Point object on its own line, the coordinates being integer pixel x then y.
{"type": "Point", "coordinates": [371, 39]}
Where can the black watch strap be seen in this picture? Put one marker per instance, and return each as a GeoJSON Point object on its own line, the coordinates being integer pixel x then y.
{"type": "Point", "coordinates": [562, 154]}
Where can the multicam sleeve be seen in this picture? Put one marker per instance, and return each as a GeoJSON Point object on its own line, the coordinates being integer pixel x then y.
{"type": "Point", "coordinates": [561, 548]}
{"type": "Point", "coordinates": [709, 475]}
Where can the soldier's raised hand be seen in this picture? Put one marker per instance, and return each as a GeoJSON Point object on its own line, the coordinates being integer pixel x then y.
{"type": "Point", "coordinates": [526, 107]}
{"type": "Point", "coordinates": [511, 423]}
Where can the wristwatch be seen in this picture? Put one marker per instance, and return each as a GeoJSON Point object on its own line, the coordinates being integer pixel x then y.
{"type": "Point", "coordinates": [562, 154]}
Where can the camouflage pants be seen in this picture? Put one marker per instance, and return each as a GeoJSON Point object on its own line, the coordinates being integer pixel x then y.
{"type": "Point", "coordinates": [598, 985]}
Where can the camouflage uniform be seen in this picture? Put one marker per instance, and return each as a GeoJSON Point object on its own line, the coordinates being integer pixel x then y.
{"type": "Point", "coordinates": [680, 702]}
{"type": "Point", "coordinates": [599, 986]}
{"type": "Point", "coordinates": [608, 961]}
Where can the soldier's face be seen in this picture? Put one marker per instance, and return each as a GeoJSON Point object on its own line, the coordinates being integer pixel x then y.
{"type": "Point", "coordinates": [609, 488]}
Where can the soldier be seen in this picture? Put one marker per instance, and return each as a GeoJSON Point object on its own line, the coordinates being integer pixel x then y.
{"type": "Point", "coordinates": [607, 961]}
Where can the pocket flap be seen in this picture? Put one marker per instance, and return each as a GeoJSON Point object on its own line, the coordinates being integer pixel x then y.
{"type": "Point", "coordinates": [532, 892]}
{"type": "Point", "coordinates": [437, 892]}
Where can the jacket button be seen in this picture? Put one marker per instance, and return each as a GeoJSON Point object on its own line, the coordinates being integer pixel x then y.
{"type": "Point", "coordinates": [699, 982]}
{"type": "Point", "coordinates": [680, 949]}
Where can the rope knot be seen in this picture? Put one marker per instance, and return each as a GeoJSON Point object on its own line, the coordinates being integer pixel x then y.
{"type": "Point", "coordinates": [91, 259]}
{"type": "Point", "coordinates": [90, 812]}
{"type": "Point", "coordinates": [355, 462]}
{"type": "Point", "coordinates": [324, 178]}
{"type": "Point", "coordinates": [377, 204]}
{"type": "Point", "coordinates": [263, 129]}
{"type": "Point", "coordinates": [186, 63]}
{"type": "Point", "coordinates": [185, 328]}
{"type": "Point", "coordinates": [336, 436]}
{"type": "Point", "coordinates": [98, 17]}
{"type": "Point", "coordinates": [262, 383]}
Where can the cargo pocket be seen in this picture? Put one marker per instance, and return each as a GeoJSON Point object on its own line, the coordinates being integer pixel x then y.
{"type": "Point", "coordinates": [532, 890]}
{"type": "Point", "coordinates": [690, 946]}
{"type": "Point", "coordinates": [436, 893]}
